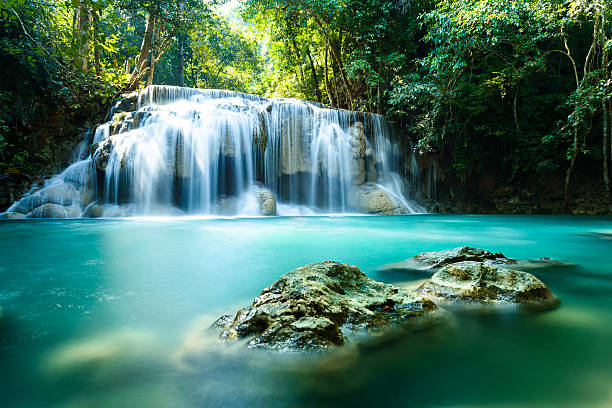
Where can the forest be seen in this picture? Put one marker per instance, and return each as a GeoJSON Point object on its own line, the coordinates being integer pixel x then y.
{"type": "Point", "coordinates": [517, 91]}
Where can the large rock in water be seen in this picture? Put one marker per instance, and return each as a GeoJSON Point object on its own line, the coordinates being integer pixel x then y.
{"type": "Point", "coordinates": [316, 306]}
{"type": "Point", "coordinates": [371, 199]}
{"type": "Point", "coordinates": [430, 261]}
{"type": "Point", "coordinates": [483, 282]}
{"type": "Point", "coordinates": [266, 199]}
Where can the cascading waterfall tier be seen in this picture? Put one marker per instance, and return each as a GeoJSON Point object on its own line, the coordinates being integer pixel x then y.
{"type": "Point", "coordinates": [171, 151]}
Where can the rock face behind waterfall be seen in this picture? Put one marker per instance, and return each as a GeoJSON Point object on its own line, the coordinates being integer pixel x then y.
{"type": "Point", "coordinates": [318, 306]}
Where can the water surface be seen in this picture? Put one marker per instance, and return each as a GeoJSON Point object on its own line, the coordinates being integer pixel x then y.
{"type": "Point", "coordinates": [99, 313]}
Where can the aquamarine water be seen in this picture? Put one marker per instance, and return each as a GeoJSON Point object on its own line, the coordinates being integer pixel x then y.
{"type": "Point", "coordinates": [99, 313]}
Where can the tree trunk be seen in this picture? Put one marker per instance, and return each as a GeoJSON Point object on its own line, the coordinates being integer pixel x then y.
{"type": "Point", "coordinates": [141, 62]}
{"type": "Point", "coordinates": [570, 170]}
{"type": "Point", "coordinates": [336, 90]}
{"type": "Point", "coordinates": [314, 75]}
{"type": "Point", "coordinates": [516, 122]}
{"type": "Point", "coordinates": [338, 61]}
{"type": "Point", "coordinates": [157, 53]}
{"type": "Point", "coordinates": [327, 88]}
{"type": "Point", "coordinates": [181, 67]}
{"type": "Point", "coordinates": [151, 69]}
{"type": "Point", "coordinates": [83, 36]}
{"type": "Point", "coordinates": [96, 46]}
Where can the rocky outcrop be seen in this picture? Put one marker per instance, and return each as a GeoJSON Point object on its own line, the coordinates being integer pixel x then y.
{"type": "Point", "coordinates": [482, 282]}
{"type": "Point", "coordinates": [369, 198]}
{"type": "Point", "coordinates": [430, 261]}
{"type": "Point", "coordinates": [319, 306]}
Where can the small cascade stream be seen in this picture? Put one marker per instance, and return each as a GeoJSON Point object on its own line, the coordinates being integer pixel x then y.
{"type": "Point", "coordinates": [175, 151]}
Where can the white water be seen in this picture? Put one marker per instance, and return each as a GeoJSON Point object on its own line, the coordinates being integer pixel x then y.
{"type": "Point", "coordinates": [212, 152]}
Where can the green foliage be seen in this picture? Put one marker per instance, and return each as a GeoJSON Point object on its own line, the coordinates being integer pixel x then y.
{"type": "Point", "coordinates": [491, 84]}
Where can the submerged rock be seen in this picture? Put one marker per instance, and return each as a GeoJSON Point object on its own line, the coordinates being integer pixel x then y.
{"type": "Point", "coordinates": [482, 282]}
{"type": "Point", "coordinates": [317, 306]}
{"type": "Point", "coordinates": [430, 261]}
{"type": "Point", "coordinates": [602, 235]}
{"type": "Point", "coordinates": [12, 216]}
{"type": "Point", "coordinates": [100, 353]}
{"type": "Point", "coordinates": [540, 263]}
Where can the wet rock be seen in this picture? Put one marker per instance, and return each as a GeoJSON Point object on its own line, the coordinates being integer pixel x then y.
{"type": "Point", "coordinates": [127, 103]}
{"type": "Point", "coordinates": [12, 216]}
{"type": "Point", "coordinates": [139, 119]}
{"type": "Point", "coordinates": [371, 199]}
{"type": "Point", "coordinates": [431, 261]}
{"type": "Point", "coordinates": [267, 201]}
{"type": "Point", "coordinates": [358, 153]}
{"type": "Point", "coordinates": [102, 154]}
{"type": "Point", "coordinates": [122, 122]}
{"type": "Point", "coordinates": [55, 201]}
{"type": "Point", "coordinates": [319, 306]}
{"type": "Point", "coordinates": [540, 263]}
{"type": "Point", "coordinates": [55, 211]}
{"type": "Point", "coordinates": [94, 211]}
{"type": "Point", "coordinates": [226, 205]}
{"type": "Point", "coordinates": [483, 282]}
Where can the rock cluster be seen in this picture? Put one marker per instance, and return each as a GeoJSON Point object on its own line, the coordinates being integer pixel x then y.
{"type": "Point", "coordinates": [318, 306]}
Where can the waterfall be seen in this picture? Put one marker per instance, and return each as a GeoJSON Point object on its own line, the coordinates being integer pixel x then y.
{"type": "Point", "coordinates": [171, 150]}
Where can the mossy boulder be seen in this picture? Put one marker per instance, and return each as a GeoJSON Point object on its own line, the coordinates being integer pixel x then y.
{"type": "Point", "coordinates": [319, 306]}
{"type": "Point", "coordinates": [483, 282]}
